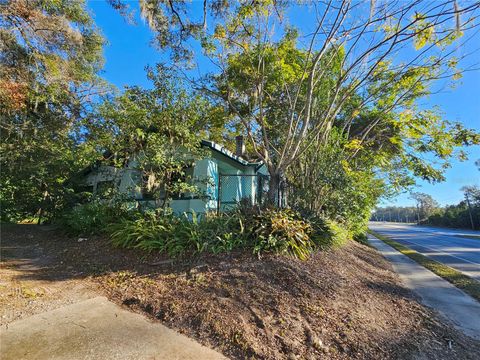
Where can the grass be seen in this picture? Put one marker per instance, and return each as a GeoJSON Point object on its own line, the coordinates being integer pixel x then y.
{"type": "Point", "coordinates": [460, 280]}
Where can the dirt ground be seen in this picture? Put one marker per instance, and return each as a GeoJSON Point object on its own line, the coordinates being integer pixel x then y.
{"type": "Point", "coordinates": [29, 283]}
{"type": "Point", "coordinates": [342, 304]}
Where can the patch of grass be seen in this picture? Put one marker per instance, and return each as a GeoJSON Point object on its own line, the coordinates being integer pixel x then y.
{"type": "Point", "coordinates": [476, 237]}
{"type": "Point", "coordinates": [460, 280]}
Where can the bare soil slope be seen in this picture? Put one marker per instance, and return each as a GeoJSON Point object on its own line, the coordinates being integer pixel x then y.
{"type": "Point", "coordinates": [341, 304]}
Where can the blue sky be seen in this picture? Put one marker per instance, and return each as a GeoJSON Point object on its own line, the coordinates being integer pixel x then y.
{"type": "Point", "coordinates": [129, 50]}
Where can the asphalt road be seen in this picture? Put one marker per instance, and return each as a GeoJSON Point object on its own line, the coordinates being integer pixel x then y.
{"type": "Point", "coordinates": [442, 245]}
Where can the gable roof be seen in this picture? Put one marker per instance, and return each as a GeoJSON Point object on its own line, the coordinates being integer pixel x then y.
{"type": "Point", "coordinates": [224, 151]}
{"type": "Point", "coordinates": [206, 143]}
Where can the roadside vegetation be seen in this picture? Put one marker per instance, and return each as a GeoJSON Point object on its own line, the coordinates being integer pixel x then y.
{"type": "Point", "coordinates": [342, 304]}
{"type": "Point", "coordinates": [337, 122]}
{"type": "Point", "coordinates": [457, 278]}
{"type": "Point", "coordinates": [256, 229]}
{"type": "Point", "coordinates": [464, 215]}
{"type": "Point", "coordinates": [335, 112]}
{"type": "Point", "coordinates": [331, 129]}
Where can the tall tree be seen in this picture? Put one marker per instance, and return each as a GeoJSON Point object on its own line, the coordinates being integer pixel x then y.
{"type": "Point", "coordinates": [289, 85]}
{"type": "Point", "coordinates": [426, 205]}
{"type": "Point", "coordinates": [465, 214]}
{"type": "Point", "coordinates": [472, 198]}
{"type": "Point", "coordinates": [50, 55]}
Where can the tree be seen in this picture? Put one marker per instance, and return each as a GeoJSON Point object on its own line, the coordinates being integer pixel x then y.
{"type": "Point", "coordinates": [326, 184]}
{"type": "Point", "coordinates": [289, 97]}
{"type": "Point", "coordinates": [159, 129]}
{"type": "Point", "coordinates": [472, 197]}
{"type": "Point", "coordinates": [50, 56]}
{"type": "Point", "coordinates": [49, 49]}
{"type": "Point", "coordinates": [426, 205]}
{"type": "Point", "coordinates": [395, 213]}
{"type": "Point", "coordinates": [465, 214]}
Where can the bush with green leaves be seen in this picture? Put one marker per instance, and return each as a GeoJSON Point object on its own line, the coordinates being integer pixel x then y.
{"type": "Point", "coordinates": [280, 231]}
{"type": "Point", "coordinates": [178, 235]}
{"type": "Point", "coordinates": [267, 230]}
{"type": "Point", "coordinates": [326, 184]}
{"type": "Point", "coordinates": [361, 237]}
{"type": "Point", "coordinates": [327, 234]}
{"type": "Point", "coordinates": [94, 217]}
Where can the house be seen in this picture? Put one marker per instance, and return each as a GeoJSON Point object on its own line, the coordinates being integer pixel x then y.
{"type": "Point", "coordinates": [222, 178]}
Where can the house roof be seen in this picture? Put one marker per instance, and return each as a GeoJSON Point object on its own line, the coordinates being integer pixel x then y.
{"type": "Point", "coordinates": [210, 144]}
{"type": "Point", "coordinates": [224, 151]}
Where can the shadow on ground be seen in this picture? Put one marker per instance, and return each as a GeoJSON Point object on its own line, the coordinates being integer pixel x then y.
{"type": "Point", "coordinates": [346, 303]}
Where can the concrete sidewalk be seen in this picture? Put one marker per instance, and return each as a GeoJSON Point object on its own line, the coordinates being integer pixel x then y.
{"type": "Point", "coordinates": [96, 329]}
{"type": "Point", "coordinates": [456, 306]}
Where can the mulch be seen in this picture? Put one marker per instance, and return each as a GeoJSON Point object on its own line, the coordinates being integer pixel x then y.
{"type": "Point", "coordinates": [345, 303]}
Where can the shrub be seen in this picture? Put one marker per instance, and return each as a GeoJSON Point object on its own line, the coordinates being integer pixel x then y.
{"type": "Point", "coordinates": [176, 236]}
{"type": "Point", "coordinates": [92, 218]}
{"type": "Point", "coordinates": [261, 230]}
{"type": "Point", "coordinates": [361, 237]}
{"type": "Point", "coordinates": [328, 233]}
{"type": "Point", "coordinates": [280, 231]}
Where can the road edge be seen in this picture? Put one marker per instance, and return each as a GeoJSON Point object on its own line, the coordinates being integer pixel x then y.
{"type": "Point", "coordinates": [454, 305]}
{"type": "Point", "coordinates": [453, 276]}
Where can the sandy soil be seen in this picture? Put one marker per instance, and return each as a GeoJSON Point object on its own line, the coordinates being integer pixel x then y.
{"type": "Point", "coordinates": [28, 282]}
{"type": "Point", "coordinates": [342, 304]}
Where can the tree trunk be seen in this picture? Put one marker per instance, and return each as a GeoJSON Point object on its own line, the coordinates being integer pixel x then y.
{"type": "Point", "coordinates": [273, 189]}
{"type": "Point", "coordinates": [41, 210]}
{"type": "Point", "coordinates": [276, 190]}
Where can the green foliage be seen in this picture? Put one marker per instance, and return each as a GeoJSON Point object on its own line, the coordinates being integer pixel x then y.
{"type": "Point", "coordinates": [327, 185]}
{"type": "Point", "coordinates": [260, 230]}
{"type": "Point", "coordinates": [339, 120]}
{"type": "Point", "coordinates": [426, 204]}
{"type": "Point", "coordinates": [406, 214]}
{"type": "Point", "coordinates": [465, 214]}
{"type": "Point", "coordinates": [93, 218]}
{"type": "Point", "coordinates": [280, 231]}
{"type": "Point", "coordinates": [50, 56]}
{"type": "Point", "coordinates": [362, 238]}
{"type": "Point", "coordinates": [290, 96]}
{"type": "Point", "coordinates": [158, 129]}
{"type": "Point", "coordinates": [177, 236]}
{"type": "Point", "coordinates": [328, 234]}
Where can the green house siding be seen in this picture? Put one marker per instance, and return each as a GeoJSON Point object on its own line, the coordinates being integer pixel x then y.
{"type": "Point", "coordinates": [221, 178]}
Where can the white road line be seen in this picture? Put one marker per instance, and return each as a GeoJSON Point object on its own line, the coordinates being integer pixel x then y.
{"type": "Point", "coordinates": [440, 252]}
{"type": "Point", "coordinates": [440, 239]}
{"type": "Point", "coordinates": [444, 232]}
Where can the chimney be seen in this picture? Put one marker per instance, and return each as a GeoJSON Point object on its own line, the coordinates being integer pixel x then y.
{"type": "Point", "coordinates": [240, 146]}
